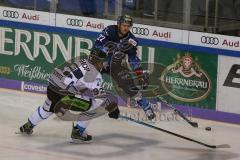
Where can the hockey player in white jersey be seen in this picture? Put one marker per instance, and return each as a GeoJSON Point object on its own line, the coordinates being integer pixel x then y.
{"type": "Point", "coordinates": [77, 82]}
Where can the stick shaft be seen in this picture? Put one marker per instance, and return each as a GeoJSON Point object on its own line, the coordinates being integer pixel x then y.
{"type": "Point", "coordinates": [166, 131]}
{"type": "Point", "coordinates": [193, 124]}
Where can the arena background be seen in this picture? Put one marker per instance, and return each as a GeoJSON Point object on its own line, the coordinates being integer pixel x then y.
{"type": "Point", "coordinates": [32, 43]}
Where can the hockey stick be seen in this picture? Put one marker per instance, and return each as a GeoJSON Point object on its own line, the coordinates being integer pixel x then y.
{"type": "Point", "coordinates": [193, 124]}
{"type": "Point", "coordinates": [175, 134]}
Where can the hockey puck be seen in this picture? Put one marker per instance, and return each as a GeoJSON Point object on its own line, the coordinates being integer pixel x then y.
{"type": "Point", "coordinates": [208, 128]}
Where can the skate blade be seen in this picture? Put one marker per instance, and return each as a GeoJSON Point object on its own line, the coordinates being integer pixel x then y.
{"type": "Point", "coordinates": [22, 133]}
{"type": "Point", "coordinates": [18, 132]}
{"type": "Point", "coordinates": [78, 141]}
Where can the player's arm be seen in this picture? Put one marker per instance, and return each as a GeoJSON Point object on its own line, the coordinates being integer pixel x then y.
{"type": "Point", "coordinates": [102, 39]}
{"type": "Point", "coordinates": [133, 60]}
{"type": "Point", "coordinates": [135, 63]}
{"type": "Point", "coordinates": [99, 92]}
{"type": "Point", "coordinates": [73, 73]}
{"type": "Point", "coordinates": [94, 85]}
{"type": "Point", "coordinates": [65, 79]}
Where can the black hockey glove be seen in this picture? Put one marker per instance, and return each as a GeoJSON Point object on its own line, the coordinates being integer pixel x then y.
{"type": "Point", "coordinates": [114, 114]}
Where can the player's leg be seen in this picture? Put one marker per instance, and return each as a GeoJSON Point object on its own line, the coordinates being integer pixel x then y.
{"type": "Point", "coordinates": [42, 112]}
{"type": "Point", "coordinates": [141, 101]}
{"type": "Point", "coordinates": [146, 106]}
{"type": "Point", "coordinates": [79, 132]}
{"type": "Point", "coordinates": [120, 74]}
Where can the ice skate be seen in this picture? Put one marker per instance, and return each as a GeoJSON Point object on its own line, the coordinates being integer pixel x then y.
{"type": "Point", "coordinates": [80, 137]}
{"type": "Point", "coordinates": [27, 128]}
{"type": "Point", "coordinates": [146, 106]}
{"type": "Point", "coordinates": [149, 113]}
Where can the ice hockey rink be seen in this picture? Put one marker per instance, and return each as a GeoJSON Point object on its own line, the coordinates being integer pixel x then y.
{"type": "Point", "coordinates": [113, 139]}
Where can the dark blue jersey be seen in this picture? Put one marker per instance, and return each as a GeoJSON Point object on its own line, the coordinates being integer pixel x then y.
{"type": "Point", "coordinates": [109, 35]}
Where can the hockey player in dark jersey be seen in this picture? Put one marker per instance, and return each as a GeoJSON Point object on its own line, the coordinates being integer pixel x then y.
{"type": "Point", "coordinates": [109, 41]}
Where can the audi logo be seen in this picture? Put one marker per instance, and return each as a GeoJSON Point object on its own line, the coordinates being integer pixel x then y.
{"type": "Point", "coordinates": [10, 14]}
{"type": "Point", "coordinates": [74, 22]}
{"type": "Point", "coordinates": [209, 40]}
{"type": "Point", "coordinates": [140, 31]}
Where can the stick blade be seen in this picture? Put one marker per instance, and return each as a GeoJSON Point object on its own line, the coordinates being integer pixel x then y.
{"type": "Point", "coordinates": [223, 146]}
{"type": "Point", "coordinates": [194, 124]}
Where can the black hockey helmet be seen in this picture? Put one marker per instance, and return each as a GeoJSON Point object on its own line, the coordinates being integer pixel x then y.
{"type": "Point", "coordinates": [96, 56]}
{"type": "Point", "coordinates": [125, 19]}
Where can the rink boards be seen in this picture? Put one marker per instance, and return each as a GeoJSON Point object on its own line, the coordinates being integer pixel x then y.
{"type": "Point", "coordinates": [33, 43]}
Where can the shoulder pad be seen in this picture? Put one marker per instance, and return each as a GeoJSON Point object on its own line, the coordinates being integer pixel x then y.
{"type": "Point", "coordinates": [109, 30]}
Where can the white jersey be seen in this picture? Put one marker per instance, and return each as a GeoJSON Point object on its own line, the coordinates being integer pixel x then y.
{"type": "Point", "coordinates": [80, 75]}
{"type": "Point", "coordinates": [73, 78]}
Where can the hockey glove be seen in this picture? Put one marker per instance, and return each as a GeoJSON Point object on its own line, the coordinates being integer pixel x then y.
{"type": "Point", "coordinates": [114, 114]}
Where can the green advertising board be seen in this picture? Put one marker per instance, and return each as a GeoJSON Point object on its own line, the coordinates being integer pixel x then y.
{"type": "Point", "coordinates": [188, 78]}
{"type": "Point", "coordinates": [32, 55]}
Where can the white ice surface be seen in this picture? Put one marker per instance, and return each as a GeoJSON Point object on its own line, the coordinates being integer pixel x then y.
{"type": "Point", "coordinates": [113, 139]}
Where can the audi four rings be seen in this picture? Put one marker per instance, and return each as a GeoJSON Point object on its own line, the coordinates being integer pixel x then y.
{"type": "Point", "coordinates": [10, 14]}
{"type": "Point", "coordinates": [140, 31]}
{"type": "Point", "coordinates": [74, 22]}
{"type": "Point", "coordinates": [209, 40]}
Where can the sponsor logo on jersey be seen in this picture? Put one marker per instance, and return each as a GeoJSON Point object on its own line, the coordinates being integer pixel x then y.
{"type": "Point", "coordinates": [185, 80]}
{"type": "Point", "coordinates": [84, 65]}
{"type": "Point", "coordinates": [233, 77]}
{"type": "Point", "coordinates": [99, 82]}
{"type": "Point", "coordinates": [95, 91]}
{"type": "Point", "coordinates": [132, 42]}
